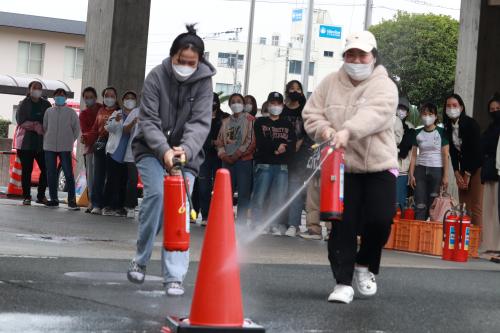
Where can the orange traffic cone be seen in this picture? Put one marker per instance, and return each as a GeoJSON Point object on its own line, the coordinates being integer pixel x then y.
{"type": "Point", "coordinates": [15, 188]}
{"type": "Point", "coordinates": [217, 302]}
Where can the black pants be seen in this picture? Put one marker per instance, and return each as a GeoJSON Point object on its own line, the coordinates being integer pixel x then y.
{"type": "Point", "coordinates": [27, 157]}
{"type": "Point", "coordinates": [369, 201]}
{"type": "Point", "coordinates": [132, 179]}
{"type": "Point", "coordinates": [116, 184]}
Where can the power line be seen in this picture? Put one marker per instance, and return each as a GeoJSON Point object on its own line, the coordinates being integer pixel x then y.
{"type": "Point", "coordinates": [289, 2]}
{"type": "Point", "coordinates": [428, 4]}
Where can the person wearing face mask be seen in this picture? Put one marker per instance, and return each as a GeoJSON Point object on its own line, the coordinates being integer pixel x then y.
{"type": "Point", "coordinates": [489, 177]}
{"type": "Point", "coordinates": [464, 136]}
{"type": "Point", "coordinates": [87, 118]}
{"type": "Point", "coordinates": [264, 112]}
{"type": "Point", "coordinates": [174, 122]}
{"type": "Point", "coordinates": [236, 142]}
{"type": "Point", "coordinates": [62, 129]}
{"type": "Point", "coordinates": [211, 163]}
{"type": "Point", "coordinates": [97, 137]}
{"type": "Point", "coordinates": [250, 105]}
{"type": "Point", "coordinates": [353, 108]}
{"type": "Point", "coordinates": [29, 140]}
{"type": "Point", "coordinates": [275, 144]}
{"type": "Point", "coordinates": [404, 148]}
{"type": "Point", "coordinates": [121, 184]}
{"type": "Point", "coordinates": [295, 101]}
{"type": "Point", "coordinates": [428, 170]}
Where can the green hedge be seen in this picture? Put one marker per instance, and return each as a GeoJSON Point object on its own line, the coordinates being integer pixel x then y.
{"type": "Point", "coordinates": [4, 128]}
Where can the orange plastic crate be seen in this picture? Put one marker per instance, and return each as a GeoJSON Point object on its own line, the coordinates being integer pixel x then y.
{"type": "Point", "coordinates": [474, 241]}
{"type": "Point", "coordinates": [390, 242]}
{"type": "Point", "coordinates": [431, 238]}
{"type": "Point", "coordinates": [407, 235]}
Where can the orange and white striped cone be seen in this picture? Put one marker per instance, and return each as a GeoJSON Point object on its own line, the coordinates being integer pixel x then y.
{"type": "Point", "coordinates": [15, 188]}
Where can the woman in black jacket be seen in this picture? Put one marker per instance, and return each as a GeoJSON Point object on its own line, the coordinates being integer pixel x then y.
{"type": "Point", "coordinates": [465, 151]}
{"type": "Point", "coordinates": [489, 177]}
{"type": "Point", "coordinates": [29, 140]}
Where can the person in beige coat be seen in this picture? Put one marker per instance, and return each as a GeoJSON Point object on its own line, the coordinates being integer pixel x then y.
{"type": "Point", "coordinates": [354, 108]}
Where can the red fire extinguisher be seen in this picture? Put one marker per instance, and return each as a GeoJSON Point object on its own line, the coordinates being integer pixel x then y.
{"type": "Point", "coordinates": [332, 184]}
{"type": "Point", "coordinates": [176, 207]}
{"type": "Point", "coordinates": [456, 236]}
{"type": "Point", "coordinates": [409, 211]}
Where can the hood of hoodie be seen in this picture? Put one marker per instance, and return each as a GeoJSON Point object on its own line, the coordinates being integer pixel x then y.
{"type": "Point", "coordinates": [204, 70]}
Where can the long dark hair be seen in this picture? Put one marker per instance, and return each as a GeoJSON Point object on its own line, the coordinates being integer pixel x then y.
{"type": "Point", "coordinates": [254, 104]}
{"type": "Point", "coordinates": [28, 94]}
{"type": "Point", "coordinates": [188, 40]}
{"type": "Point", "coordinates": [289, 85]}
{"type": "Point", "coordinates": [446, 119]}
{"type": "Point", "coordinates": [494, 98]}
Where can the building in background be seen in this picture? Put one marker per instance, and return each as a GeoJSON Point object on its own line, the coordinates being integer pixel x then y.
{"type": "Point", "coordinates": [275, 62]}
{"type": "Point", "coordinates": [43, 48]}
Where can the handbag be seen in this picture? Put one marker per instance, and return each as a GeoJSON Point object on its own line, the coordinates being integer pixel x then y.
{"type": "Point", "coordinates": [441, 205]}
{"type": "Point", "coordinates": [100, 144]}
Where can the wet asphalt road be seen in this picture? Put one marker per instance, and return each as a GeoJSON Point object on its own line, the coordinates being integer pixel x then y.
{"type": "Point", "coordinates": [80, 295]}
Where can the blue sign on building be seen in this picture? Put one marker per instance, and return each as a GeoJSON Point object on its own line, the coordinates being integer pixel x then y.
{"type": "Point", "coordinates": [297, 15]}
{"type": "Point", "coordinates": [328, 31]}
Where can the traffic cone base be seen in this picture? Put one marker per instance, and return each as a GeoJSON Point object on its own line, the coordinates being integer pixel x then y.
{"type": "Point", "coordinates": [213, 309]}
{"type": "Point", "coordinates": [182, 325]}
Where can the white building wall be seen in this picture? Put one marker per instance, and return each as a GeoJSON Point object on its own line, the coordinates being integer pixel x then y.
{"type": "Point", "coordinates": [53, 63]}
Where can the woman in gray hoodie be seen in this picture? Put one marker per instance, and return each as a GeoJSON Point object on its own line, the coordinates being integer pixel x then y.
{"type": "Point", "coordinates": [62, 127]}
{"type": "Point", "coordinates": [174, 121]}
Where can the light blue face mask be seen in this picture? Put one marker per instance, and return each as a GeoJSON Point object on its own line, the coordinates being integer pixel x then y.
{"type": "Point", "coordinates": [60, 100]}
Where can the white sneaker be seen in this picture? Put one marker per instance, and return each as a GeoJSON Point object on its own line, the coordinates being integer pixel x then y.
{"type": "Point", "coordinates": [106, 211]}
{"type": "Point", "coordinates": [96, 211]}
{"type": "Point", "coordinates": [275, 231]}
{"type": "Point", "coordinates": [309, 235]}
{"type": "Point", "coordinates": [341, 294]}
{"type": "Point", "coordinates": [175, 289]}
{"type": "Point", "coordinates": [364, 280]}
{"type": "Point", "coordinates": [130, 213]}
{"type": "Point", "coordinates": [291, 231]}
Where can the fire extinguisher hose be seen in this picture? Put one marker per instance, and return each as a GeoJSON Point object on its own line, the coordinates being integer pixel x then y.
{"type": "Point", "coordinates": [178, 163]}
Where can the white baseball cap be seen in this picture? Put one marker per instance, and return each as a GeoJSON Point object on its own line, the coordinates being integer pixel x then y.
{"type": "Point", "coordinates": [363, 40]}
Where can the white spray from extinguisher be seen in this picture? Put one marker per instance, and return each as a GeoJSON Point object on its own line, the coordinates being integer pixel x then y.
{"type": "Point", "coordinates": [252, 236]}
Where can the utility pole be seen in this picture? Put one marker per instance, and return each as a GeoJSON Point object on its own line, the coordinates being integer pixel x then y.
{"type": "Point", "coordinates": [307, 47]}
{"type": "Point", "coordinates": [249, 48]}
{"type": "Point", "coordinates": [368, 13]}
{"type": "Point", "coordinates": [287, 60]}
{"type": "Point", "coordinates": [235, 72]}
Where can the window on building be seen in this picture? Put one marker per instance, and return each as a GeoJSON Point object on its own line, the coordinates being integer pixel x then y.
{"type": "Point", "coordinates": [30, 58]}
{"type": "Point", "coordinates": [206, 55]}
{"type": "Point", "coordinates": [262, 40]}
{"type": "Point", "coordinates": [295, 67]}
{"type": "Point", "coordinates": [311, 68]}
{"type": "Point", "coordinates": [328, 54]}
{"type": "Point", "coordinates": [225, 88]}
{"type": "Point", "coordinates": [275, 41]}
{"type": "Point", "coordinates": [73, 62]}
{"type": "Point", "coordinates": [228, 60]}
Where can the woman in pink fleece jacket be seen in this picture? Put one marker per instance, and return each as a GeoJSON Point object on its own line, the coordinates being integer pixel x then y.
{"type": "Point", "coordinates": [355, 108]}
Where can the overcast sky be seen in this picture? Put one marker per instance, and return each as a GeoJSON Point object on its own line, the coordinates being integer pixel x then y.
{"type": "Point", "coordinates": [271, 16]}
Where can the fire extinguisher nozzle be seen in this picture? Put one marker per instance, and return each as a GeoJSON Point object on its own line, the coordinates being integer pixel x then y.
{"type": "Point", "coordinates": [193, 215]}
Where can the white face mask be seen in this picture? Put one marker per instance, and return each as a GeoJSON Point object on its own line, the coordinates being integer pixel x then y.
{"type": "Point", "coordinates": [402, 114]}
{"type": "Point", "coordinates": [237, 107]}
{"type": "Point", "coordinates": [359, 72]}
{"type": "Point", "coordinates": [453, 113]}
{"type": "Point", "coordinates": [37, 93]}
{"type": "Point", "coordinates": [275, 110]}
{"type": "Point", "coordinates": [248, 107]}
{"type": "Point", "coordinates": [109, 101]}
{"type": "Point", "coordinates": [182, 73]}
{"type": "Point", "coordinates": [428, 120]}
{"type": "Point", "coordinates": [129, 103]}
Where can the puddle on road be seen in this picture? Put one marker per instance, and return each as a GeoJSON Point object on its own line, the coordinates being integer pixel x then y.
{"type": "Point", "coordinates": [107, 276]}
{"type": "Point", "coordinates": [60, 239]}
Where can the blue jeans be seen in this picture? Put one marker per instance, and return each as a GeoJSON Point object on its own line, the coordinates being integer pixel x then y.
{"type": "Point", "coordinates": [402, 191]}
{"type": "Point", "coordinates": [295, 181]}
{"type": "Point", "coordinates": [271, 181]}
{"type": "Point", "coordinates": [174, 263]}
{"type": "Point", "coordinates": [428, 181]}
{"type": "Point", "coordinates": [241, 179]}
{"type": "Point", "coordinates": [52, 175]}
{"type": "Point", "coordinates": [206, 182]}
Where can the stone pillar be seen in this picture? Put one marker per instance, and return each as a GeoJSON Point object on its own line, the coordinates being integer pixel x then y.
{"type": "Point", "coordinates": [115, 46]}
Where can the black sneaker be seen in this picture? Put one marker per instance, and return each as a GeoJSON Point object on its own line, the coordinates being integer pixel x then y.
{"type": "Point", "coordinates": [27, 202]}
{"type": "Point", "coordinates": [42, 201]}
{"type": "Point", "coordinates": [72, 205]}
{"type": "Point", "coordinates": [52, 203]}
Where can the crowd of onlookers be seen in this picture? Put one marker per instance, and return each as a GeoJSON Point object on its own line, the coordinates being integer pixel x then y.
{"type": "Point", "coordinates": [267, 152]}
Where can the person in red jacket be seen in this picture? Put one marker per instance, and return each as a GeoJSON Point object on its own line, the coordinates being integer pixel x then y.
{"type": "Point", "coordinates": [87, 119]}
